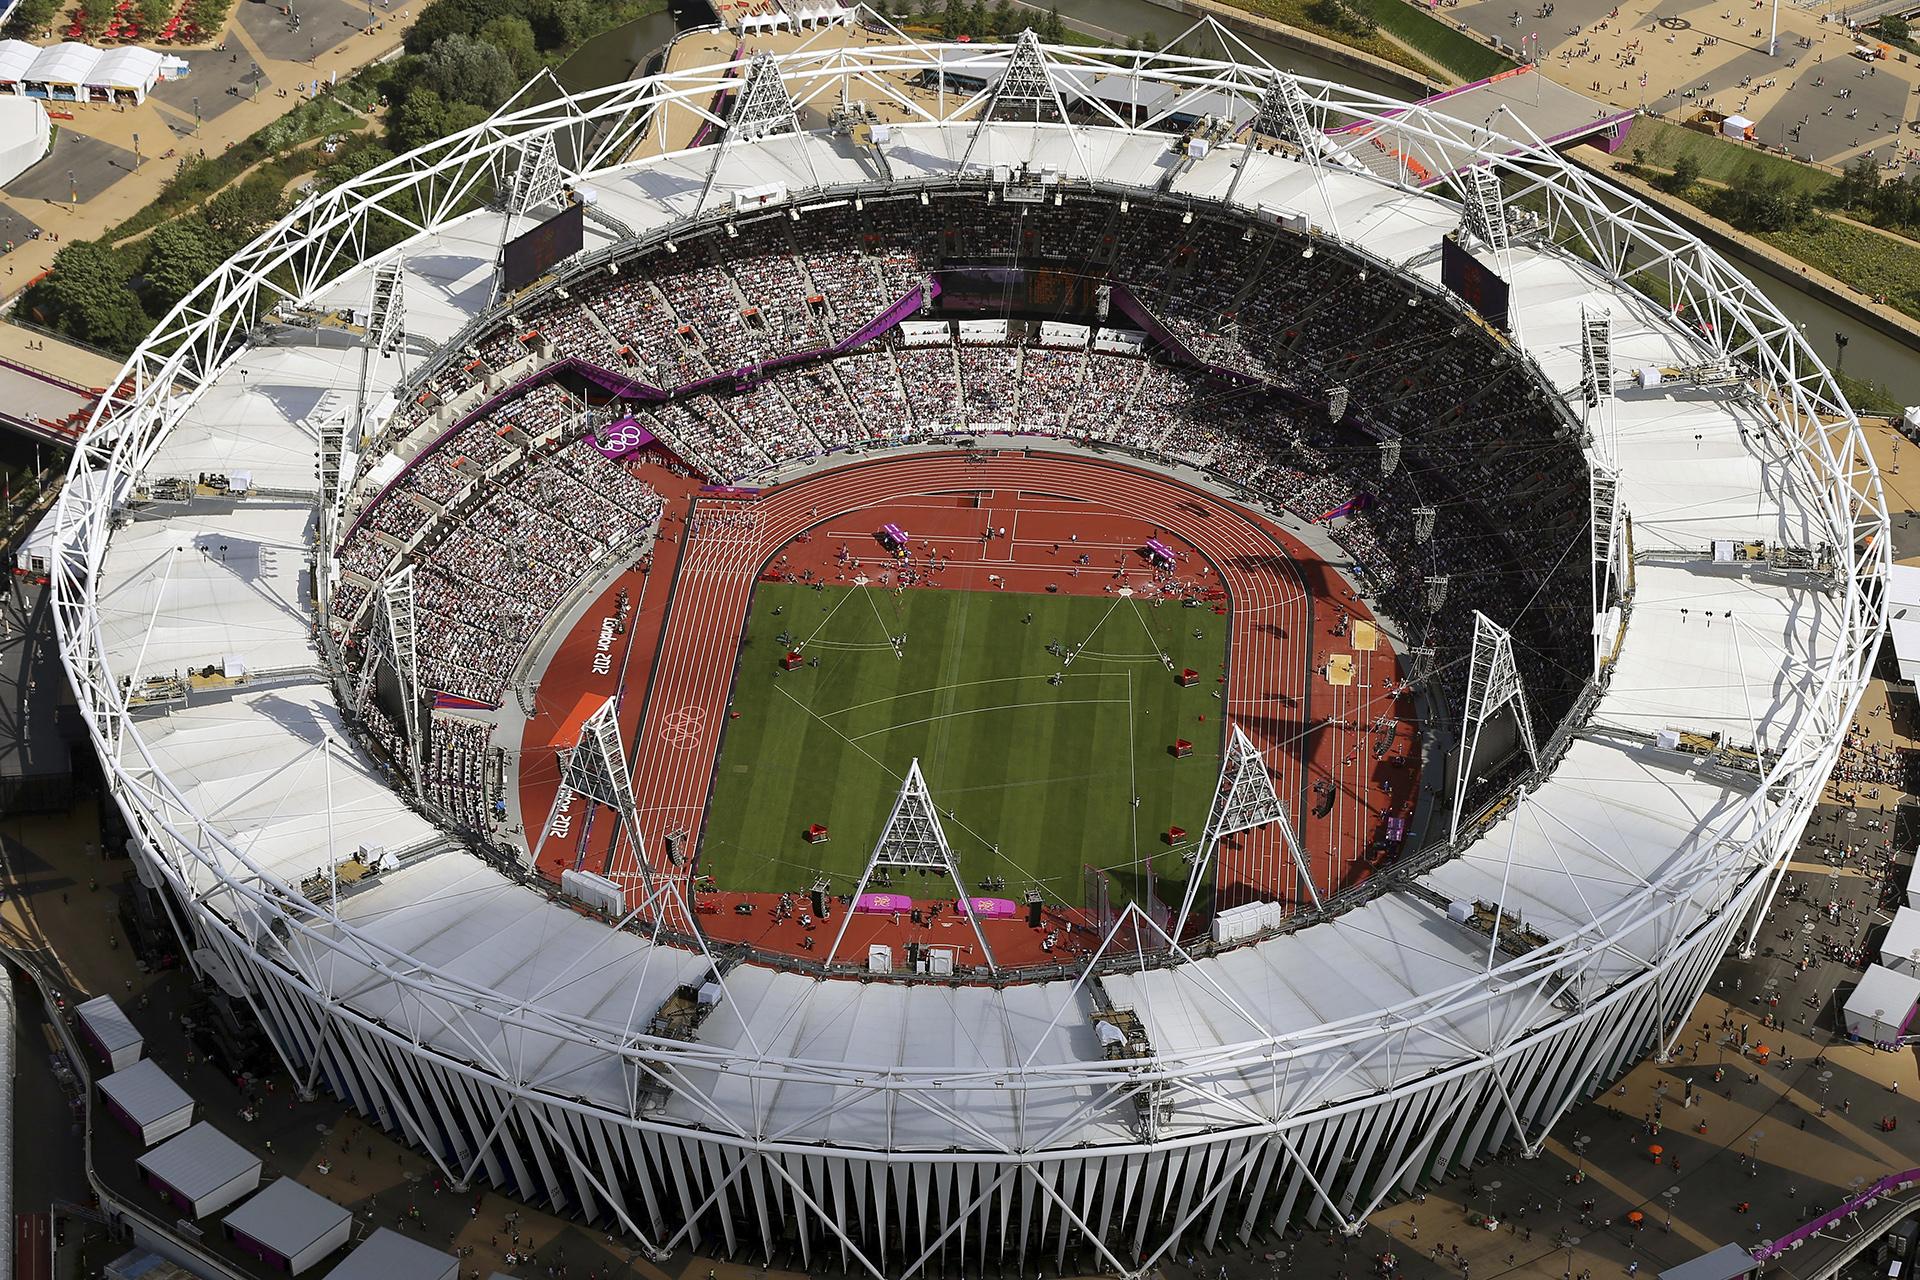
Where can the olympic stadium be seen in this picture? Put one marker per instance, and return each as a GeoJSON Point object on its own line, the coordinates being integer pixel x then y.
{"type": "Point", "coordinates": [502, 596]}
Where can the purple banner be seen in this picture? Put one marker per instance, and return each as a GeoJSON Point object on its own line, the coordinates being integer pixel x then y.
{"type": "Point", "coordinates": [883, 903]}
{"type": "Point", "coordinates": [989, 908]}
{"type": "Point", "coordinates": [1812, 1227]}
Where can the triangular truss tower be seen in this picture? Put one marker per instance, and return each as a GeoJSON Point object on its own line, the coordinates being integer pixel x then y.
{"type": "Point", "coordinates": [390, 643]}
{"type": "Point", "coordinates": [1244, 800]}
{"type": "Point", "coordinates": [1493, 684]}
{"type": "Point", "coordinates": [596, 770]}
{"type": "Point", "coordinates": [1485, 214]}
{"type": "Point", "coordinates": [1282, 114]}
{"type": "Point", "coordinates": [761, 109]}
{"type": "Point", "coordinates": [1027, 82]}
{"type": "Point", "coordinates": [913, 840]}
{"type": "Point", "coordinates": [536, 179]}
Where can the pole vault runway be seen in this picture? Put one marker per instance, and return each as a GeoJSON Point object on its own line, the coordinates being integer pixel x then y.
{"type": "Point", "coordinates": [1286, 607]}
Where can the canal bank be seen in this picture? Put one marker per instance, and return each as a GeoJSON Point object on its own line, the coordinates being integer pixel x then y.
{"type": "Point", "coordinates": [1287, 48]}
{"type": "Point", "coordinates": [1883, 345]}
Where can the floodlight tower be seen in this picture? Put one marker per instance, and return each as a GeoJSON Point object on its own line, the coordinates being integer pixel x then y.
{"type": "Point", "coordinates": [914, 840]}
{"type": "Point", "coordinates": [1493, 684]}
{"type": "Point", "coordinates": [1243, 800]}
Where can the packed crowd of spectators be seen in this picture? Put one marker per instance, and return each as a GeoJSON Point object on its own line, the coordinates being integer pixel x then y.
{"type": "Point", "coordinates": [454, 769]}
{"type": "Point", "coordinates": [502, 517]}
{"type": "Point", "coordinates": [1473, 441]}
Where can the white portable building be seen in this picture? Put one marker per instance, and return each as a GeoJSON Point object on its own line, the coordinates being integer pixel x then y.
{"type": "Point", "coordinates": [147, 1101]}
{"type": "Point", "coordinates": [25, 136]}
{"type": "Point", "coordinates": [388, 1255]}
{"type": "Point", "coordinates": [109, 1032]}
{"type": "Point", "coordinates": [1900, 949]}
{"type": "Point", "coordinates": [1881, 1007]}
{"type": "Point", "coordinates": [289, 1227]}
{"type": "Point", "coordinates": [202, 1171]}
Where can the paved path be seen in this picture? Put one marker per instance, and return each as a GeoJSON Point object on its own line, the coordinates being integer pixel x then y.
{"type": "Point", "coordinates": [1699, 53]}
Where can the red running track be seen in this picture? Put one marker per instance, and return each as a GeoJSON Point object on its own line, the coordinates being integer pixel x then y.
{"type": "Point", "coordinates": [1286, 607]}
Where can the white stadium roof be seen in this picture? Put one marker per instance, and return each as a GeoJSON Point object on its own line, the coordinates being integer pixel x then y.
{"type": "Point", "coordinates": [1620, 850]}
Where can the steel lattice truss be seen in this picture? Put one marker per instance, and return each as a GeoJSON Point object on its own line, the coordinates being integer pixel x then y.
{"type": "Point", "coordinates": [1516, 1080]}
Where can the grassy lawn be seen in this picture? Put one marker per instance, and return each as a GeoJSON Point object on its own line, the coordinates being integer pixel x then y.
{"type": "Point", "coordinates": [1294, 14]}
{"type": "Point", "coordinates": [1047, 772]}
{"type": "Point", "coordinates": [1870, 262]}
{"type": "Point", "coordinates": [1460, 53]}
{"type": "Point", "coordinates": [1719, 158]}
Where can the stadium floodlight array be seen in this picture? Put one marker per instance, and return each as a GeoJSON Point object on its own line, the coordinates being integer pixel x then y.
{"type": "Point", "coordinates": [1493, 686]}
{"type": "Point", "coordinates": [1608, 542]}
{"type": "Point", "coordinates": [913, 840]}
{"type": "Point", "coordinates": [1243, 801]}
{"type": "Point", "coordinates": [878, 1128]}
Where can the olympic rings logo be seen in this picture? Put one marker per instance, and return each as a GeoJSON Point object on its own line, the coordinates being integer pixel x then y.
{"type": "Point", "coordinates": [621, 437]}
{"type": "Point", "coordinates": [683, 729]}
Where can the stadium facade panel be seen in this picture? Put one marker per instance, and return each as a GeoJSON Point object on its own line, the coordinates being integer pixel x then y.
{"type": "Point", "coordinates": [1463, 1002]}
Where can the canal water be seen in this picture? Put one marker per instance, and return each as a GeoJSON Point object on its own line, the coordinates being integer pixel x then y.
{"type": "Point", "coordinates": [1870, 355]}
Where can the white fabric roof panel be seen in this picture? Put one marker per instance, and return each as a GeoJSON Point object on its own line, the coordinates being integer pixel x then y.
{"type": "Point", "coordinates": [253, 764]}
{"type": "Point", "coordinates": [188, 591]}
{"type": "Point", "coordinates": [1609, 819]}
{"type": "Point", "coordinates": [272, 390]}
{"type": "Point", "coordinates": [1716, 648]}
{"type": "Point", "coordinates": [16, 57]}
{"type": "Point", "coordinates": [127, 67]}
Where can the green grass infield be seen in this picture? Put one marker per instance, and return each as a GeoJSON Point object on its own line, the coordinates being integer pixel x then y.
{"type": "Point", "coordinates": [1037, 720]}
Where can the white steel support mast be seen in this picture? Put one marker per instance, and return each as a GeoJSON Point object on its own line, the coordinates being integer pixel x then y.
{"type": "Point", "coordinates": [760, 110]}
{"type": "Point", "coordinates": [1493, 684]}
{"type": "Point", "coordinates": [596, 769]}
{"type": "Point", "coordinates": [913, 840]}
{"type": "Point", "coordinates": [1027, 82]}
{"type": "Point", "coordinates": [1244, 800]}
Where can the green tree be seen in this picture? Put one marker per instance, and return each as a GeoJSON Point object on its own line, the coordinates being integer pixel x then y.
{"type": "Point", "coordinates": [1053, 30]}
{"type": "Point", "coordinates": [353, 160]}
{"type": "Point", "coordinates": [443, 18]}
{"type": "Point", "coordinates": [152, 16]}
{"type": "Point", "coordinates": [953, 20]}
{"type": "Point", "coordinates": [418, 120]}
{"type": "Point", "coordinates": [1686, 172]}
{"type": "Point", "coordinates": [1857, 185]}
{"type": "Point", "coordinates": [1896, 28]}
{"type": "Point", "coordinates": [1755, 201]}
{"type": "Point", "coordinates": [560, 24]}
{"type": "Point", "coordinates": [180, 254]}
{"type": "Point", "coordinates": [978, 23]}
{"type": "Point", "coordinates": [1005, 21]}
{"type": "Point", "coordinates": [87, 296]}
{"type": "Point", "coordinates": [462, 69]}
{"type": "Point", "coordinates": [514, 37]}
{"type": "Point", "coordinates": [241, 210]}
{"type": "Point", "coordinates": [32, 17]}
